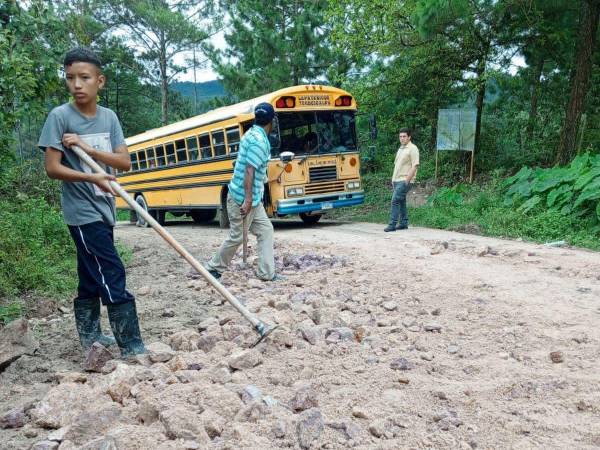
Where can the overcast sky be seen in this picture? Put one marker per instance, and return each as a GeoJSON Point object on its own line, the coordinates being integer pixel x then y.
{"type": "Point", "coordinates": [202, 74]}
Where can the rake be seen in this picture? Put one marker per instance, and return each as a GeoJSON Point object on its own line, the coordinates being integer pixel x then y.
{"type": "Point", "coordinates": [262, 328]}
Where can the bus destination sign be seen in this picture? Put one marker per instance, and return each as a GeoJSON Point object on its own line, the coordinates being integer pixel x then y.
{"type": "Point", "coordinates": [313, 100]}
{"type": "Point", "coordinates": [321, 162]}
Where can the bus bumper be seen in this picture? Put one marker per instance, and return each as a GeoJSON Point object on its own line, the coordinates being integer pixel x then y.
{"type": "Point", "coordinates": [319, 203]}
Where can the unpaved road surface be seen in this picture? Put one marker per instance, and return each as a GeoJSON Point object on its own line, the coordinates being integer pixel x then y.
{"type": "Point", "coordinates": [413, 339]}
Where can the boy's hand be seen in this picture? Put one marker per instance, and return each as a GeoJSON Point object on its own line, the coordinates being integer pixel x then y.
{"type": "Point", "coordinates": [70, 139]}
{"type": "Point", "coordinates": [102, 180]}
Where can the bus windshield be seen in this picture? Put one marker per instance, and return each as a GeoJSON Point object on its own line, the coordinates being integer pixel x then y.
{"type": "Point", "coordinates": [316, 132]}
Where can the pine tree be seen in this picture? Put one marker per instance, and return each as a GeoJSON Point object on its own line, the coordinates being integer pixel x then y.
{"type": "Point", "coordinates": [162, 30]}
{"type": "Point", "coordinates": [580, 79]}
{"type": "Point", "coordinates": [272, 45]}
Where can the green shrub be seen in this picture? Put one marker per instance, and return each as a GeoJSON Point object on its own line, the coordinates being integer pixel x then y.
{"type": "Point", "coordinates": [446, 197]}
{"type": "Point", "coordinates": [571, 191]}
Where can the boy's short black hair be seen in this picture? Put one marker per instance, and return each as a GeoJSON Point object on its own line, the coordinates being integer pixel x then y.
{"type": "Point", "coordinates": [82, 54]}
{"type": "Point", "coordinates": [408, 131]}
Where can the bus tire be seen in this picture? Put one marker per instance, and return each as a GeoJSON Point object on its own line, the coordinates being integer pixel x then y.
{"type": "Point", "coordinates": [310, 219]}
{"type": "Point", "coordinates": [140, 222]}
{"type": "Point", "coordinates": [203, 215]}
{"type": "Point", "coordinates": [160, 216]}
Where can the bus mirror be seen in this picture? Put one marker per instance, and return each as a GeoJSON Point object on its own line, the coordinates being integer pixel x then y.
{"type": "Point", "coordinates": [373, 127]}
{"type": "Point", "coordinates": [286, 157]}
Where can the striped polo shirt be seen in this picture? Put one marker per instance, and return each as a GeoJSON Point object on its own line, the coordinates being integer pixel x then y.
{"type": "Point", "coordinates": [255, 149]}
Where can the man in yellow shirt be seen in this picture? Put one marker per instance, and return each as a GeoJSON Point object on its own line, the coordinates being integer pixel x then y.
{"type": "Point", "coordinates": [405, 171]}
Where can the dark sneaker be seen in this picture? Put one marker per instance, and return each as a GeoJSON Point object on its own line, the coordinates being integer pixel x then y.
{"type": "Point", "coordinates": [214, 273]}
{"type": "Point", "coordinates": [389, 228]}
{"type": "Point", "coordinates": [402, 227]}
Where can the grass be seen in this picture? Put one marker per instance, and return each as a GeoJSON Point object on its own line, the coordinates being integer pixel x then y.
{"type": "Point", "coordinates": [123, 215]}
{"type": "Point", "coordinates": [37, 255]}
{"type": "Point", "coordinates": [476, 209]}
{"type": "Point", "coordinates": [10, 312]}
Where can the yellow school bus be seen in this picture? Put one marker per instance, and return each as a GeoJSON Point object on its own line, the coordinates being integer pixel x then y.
{"type": "Point", "coordinates": [184, 168]}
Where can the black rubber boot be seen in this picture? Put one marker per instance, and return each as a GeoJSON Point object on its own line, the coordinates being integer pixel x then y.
{"type": "Point", "coordinates": [87, 320]}
{"type": "Point", "coordinates": [125, 326]}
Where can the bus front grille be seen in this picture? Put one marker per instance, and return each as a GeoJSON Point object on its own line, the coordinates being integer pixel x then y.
{"type": "Point", "coordinates": [320, 188]}
{"type": "Point", "coordinates": [323, 173]}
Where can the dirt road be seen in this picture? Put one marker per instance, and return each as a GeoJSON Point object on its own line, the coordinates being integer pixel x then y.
{"type": "Point", "coordinates": [413, 339]}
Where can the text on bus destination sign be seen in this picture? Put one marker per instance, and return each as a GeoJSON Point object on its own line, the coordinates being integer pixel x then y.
{"type": "Point", "coordinates": [314, 100]}
{"type": "Point", "coordinates": [321, 162]}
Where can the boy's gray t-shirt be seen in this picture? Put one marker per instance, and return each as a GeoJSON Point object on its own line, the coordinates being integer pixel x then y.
{"type": "Point", "coordinates": [81, 202]}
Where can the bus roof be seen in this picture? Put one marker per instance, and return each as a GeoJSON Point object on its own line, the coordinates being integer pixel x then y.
{"type": "Point", "coordinates": [226, 112]}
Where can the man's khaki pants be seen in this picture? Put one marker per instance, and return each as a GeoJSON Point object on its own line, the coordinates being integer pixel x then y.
{"type": "Point", "coordinates": [260, 226]}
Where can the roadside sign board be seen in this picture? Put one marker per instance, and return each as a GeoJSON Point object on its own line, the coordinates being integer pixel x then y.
{"type": "Point", "coordinates": [456, 130]}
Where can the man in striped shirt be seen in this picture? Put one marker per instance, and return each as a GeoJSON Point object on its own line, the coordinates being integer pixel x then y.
{"type": "Point", "coordinates": [245, 196]}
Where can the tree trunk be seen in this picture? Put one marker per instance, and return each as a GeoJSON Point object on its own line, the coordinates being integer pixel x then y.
{"type": "Point", "coordinates": [117, 96]}
{"type": "Point", "coordinates": [164, 82]}
{"type": "Point", "coordinates": [434, 122]}
{"type": "Point", "coordinates": [480, 98]}
{"type": "Point", "coordinates": [535, 90]}
{"type": "Point", "coordinates": [580, 80]}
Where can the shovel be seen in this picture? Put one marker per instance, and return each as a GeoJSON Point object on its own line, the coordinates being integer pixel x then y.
{"type": "Point", "coordinates": [259, 326]}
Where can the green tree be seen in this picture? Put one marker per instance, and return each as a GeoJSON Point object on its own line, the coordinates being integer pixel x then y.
{"type": "Point", "coordinates": [162, 30]}
{"type": "Point", "coordinates": [397, 73]}
{"type": "Point", "coordinates": [481, 28]}
{"type": "Point", "coordinates": [30, 41]}
{"type": "Point", "coordinates": [136, 104]}
{"type": "Point", "coordinates": [580, 79]}
{"type": "Point", "coordinates": [272, 45]}
{"type": "Point", "coordinates": [542, 31]}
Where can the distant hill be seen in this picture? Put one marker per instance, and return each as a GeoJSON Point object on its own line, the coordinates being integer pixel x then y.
{"type": "Point", "coordinates": [204, 91]}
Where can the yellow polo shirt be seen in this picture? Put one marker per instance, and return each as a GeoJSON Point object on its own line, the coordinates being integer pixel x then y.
{"type": "Point", "coordinates": [406, 158]}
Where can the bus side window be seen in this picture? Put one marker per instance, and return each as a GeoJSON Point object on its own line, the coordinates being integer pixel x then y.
{"type": "Point", "coordinates": [192, 146]}
{"type": "Point", "coordinates": [160, 156]}
{"type": "Point", "coordinates": [233, 139]}
{"type": "Point", "coordinates": [142, 159]}
{"type": "Point", "coordinates": [218, 138]}
{"type": "Point", "coordinates": [151, 160]}
{"type": "Point", "coordinates": [170, 150]}
{"type": "Point", "coordinates": [205, 149]}
{"type": "Point", "coordinates": [134, 162]}
{"type": "Point", "coordinates": [181, 151]}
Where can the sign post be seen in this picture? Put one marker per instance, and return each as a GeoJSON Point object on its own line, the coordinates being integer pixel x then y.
{"type": "Point", "coordinates": [456, 132]}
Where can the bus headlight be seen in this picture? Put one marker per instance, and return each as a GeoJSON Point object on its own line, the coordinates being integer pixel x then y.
{"type": "Point", "coordinates": [295, 191]}
{"type": "Point", "coordinates": [352, 185]}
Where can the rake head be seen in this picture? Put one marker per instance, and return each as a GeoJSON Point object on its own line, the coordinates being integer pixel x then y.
{"type": "Point", "coordinates": [264, 331]}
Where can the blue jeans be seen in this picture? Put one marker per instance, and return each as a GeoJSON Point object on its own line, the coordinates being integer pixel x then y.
{"type": "Point", "coordinates": [399, 210]}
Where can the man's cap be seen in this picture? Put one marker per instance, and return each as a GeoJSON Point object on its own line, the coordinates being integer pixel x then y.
{"type": "Point", "coordinates": [263, 113]}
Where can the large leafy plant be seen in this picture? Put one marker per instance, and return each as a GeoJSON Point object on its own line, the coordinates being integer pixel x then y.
{"type": "Point", "coordinates": [572, 190]}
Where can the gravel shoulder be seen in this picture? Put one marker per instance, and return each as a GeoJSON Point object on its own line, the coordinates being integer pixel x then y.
{"type": "Point", "coordinates": [414, 339]}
